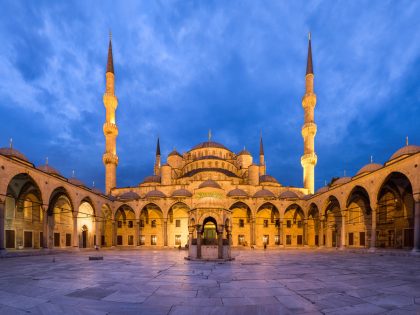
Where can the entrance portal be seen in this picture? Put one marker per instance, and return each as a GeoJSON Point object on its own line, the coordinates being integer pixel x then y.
{"type": "Point", "coordinates": [210, 231]}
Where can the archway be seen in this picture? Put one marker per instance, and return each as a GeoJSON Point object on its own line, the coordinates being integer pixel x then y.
{"type": "Point", "coordinates": [358, 224]}
{"type": "Point", "coordinates": [313, 227]}
{"type": "Point", "coordinates": [395, 213]}
{"type": "Point", "coordinates": [177, 225]}
{"type": "Point", "coordinates": [106, 226]}
{"type": "Point", "coordinates": [125, 220]}
{"type": "Point", "coordinates": [209, 231]}
{"type": "Point", "coordinates": [333, 223]}
{"type": "Point", "coordinates": [24, 216]}
{"type": "Point", "coordinates": [294, 227]}
{"type": "Point", "coordinates": [86, 224]}
{"type": "Point", "coordinates": [267, 225]}
{"type": "Point", "coordinates": [151, 226]}
{"type": "Point", "coordinates": [60, 219]}
{"type": "Point", "coordinates": [241, 224]}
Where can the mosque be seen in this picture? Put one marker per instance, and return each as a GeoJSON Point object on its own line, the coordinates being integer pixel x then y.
{"type": "Point", "coordinates": [210, 199]}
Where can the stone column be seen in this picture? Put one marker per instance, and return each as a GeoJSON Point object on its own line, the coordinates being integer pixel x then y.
{"type": "Point", "coordinates": [220, 241]}
{"type": "Point", "coordinates": [137, 232]}
{"type": "Point", "coordinates": [165, 232]}
{"type": "Point", "coordinates": [373, 230]}
{"type": "Point", "coordinates": [253, 237]}
{"type": "Point", "coordinates": [114, 233]}
{"type": "Point", "coordinates": [94, 234]}
{"type": "Point", "coordinates": [75, 234]}
{"type": "Point", "coordinates": [2, 215]}
{"type": "Point", "coordinates": [281, 232]}
{"type": "Point", "coordinates": [321, 234]}
{"type": "Point", "coordinates": [45, 229]}
{"type": "Point", "coordinates": [305, 233]}
{"type": "Point", "coordinates": [417, 225]}
{"type": "Point", "coordinates": [343, 231]}
{"type": "Point", "coordinates": [198, 241]}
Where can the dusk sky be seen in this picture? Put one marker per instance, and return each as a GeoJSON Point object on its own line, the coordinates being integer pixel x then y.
{"type": "Point", "coordinates": [184, 67]}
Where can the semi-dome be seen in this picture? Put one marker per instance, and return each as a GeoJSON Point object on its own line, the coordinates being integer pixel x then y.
{"type": "Point", "coordinates": [49, 169]}
{"type": "Point", "coordinates": [13, 153]}
{"type": "Point", "coordinates": [209, 144]}
{"type": "Point", "coordinates": [288, 194]}
{"type": "Point", "coordinates": [368, 168]}
{"type": "Point", "coordinates": [76, 181]}
{"type": "Point", "coordinates": [264, 193]}
{"type": "Point", "coordinates": [181, 193]}
{"type": "Point", "coordinates": [322, 190]}
{"type": "Point", "coordinates": [268, 179]}
{"type": "Point", "coordinates": [129, 195]}
{"type": "Point", "coordinates": [406, 150]}
{"type": "Point", "coordinates": [244, 152]}
{"type": "Point", "coordinates": [210, 202]}
{"type": "Point", "coordinates": [341, 180]}
{"type": "Point", "coordinates": [155, 194]}
{"type": "Point", "coordinates": [175, 153]}
{"type": "Point", "coordinates": [209, 183]}
{"type": "Point", "coordinates": [237, 192]}
{"type": "Point", "coordinates": [152, 179]}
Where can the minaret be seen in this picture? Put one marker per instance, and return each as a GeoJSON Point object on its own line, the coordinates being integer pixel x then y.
{"type": "Point", "coordinates": [156, 170]}
{"type": "Point", "coordinates": [309, 157]}
{"type": "Point", "coordinates": [262, 162]}
{"type": "Point", "coordinates": [110, 157]}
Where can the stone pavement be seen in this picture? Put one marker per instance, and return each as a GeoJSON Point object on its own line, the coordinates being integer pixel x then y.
{"type": "Point", "coordinates": [257, 282]}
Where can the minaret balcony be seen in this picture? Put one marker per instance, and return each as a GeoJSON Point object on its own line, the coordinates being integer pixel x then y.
{"type": "Point", "coordinates": [110, 100]}
{"type": "Point", "coordinates": [308, 100]}
{"type": "Point", "coordinates": [110, 129]}
{"type": "Point", "coordinates": [308, 159]}
{"type": "Point", "coordinates": [309, 129]}
{"type": "Point", "coordinates": [110, 158]}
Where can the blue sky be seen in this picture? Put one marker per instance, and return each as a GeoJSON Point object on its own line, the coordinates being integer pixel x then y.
{"type": "Point", "coordinates": [183, 67]}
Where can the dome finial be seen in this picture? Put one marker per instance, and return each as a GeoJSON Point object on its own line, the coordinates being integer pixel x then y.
{"type": "Point", "coordinates": [72, 174]}
{"type": "Point", "coordinates": [46, 160]}
{"type": "Point", "coordinates": [406, 140]}
{"type": "Point", "coordinates": [11, 143]}
{"type": "Point", "coordinates": [209, 135]}
{"type": "Point", "coordinates": [344, 170]}
{"type": "Point", "coordinates": [93, 184]}
{"type": "Point", "coordinates": [371, 159]}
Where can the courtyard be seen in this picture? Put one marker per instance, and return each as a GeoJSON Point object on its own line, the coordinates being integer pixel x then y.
{"type": "Point", "coordinates": [256, 282]}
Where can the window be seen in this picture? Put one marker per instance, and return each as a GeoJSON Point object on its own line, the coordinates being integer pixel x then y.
{"type": "Point", "coordinates": [241, 239]}
{"type": "Point", "coordinates": [130, 224]}
{"type": "Point", "coordinates": [68, 239]}
{"type": "Point", "coordinates": [103, 240]}
{"type": "Point", "coordinates": [289, 223]}
{"type": "Point", "coordinates": [266, 223]}
{"type": "Point", "coordinates": [10, 239]}
{"type": "Point", "coordinates": [177, 223]}
{"type": "Point", "coordinates": [316, 240]}
{"type": "Point", "coordinates": [27, 210]}
{"type": "Point", "coordinates": [141, 223]}
{"type": "Point", "coordinates": [119, 240]}
{"type": "Point", "coordinates": [265, 239]}
{"type": "Point", "coordinates": [362, 239]}
{"type": "Point", "coordinates": [56, 239]}
{"type": "Point", "coordinates": [277, 223]}
{"type": "Point", "coordinates": [299, 224]}
{"type": "Point", "coordinates": [27, 239]}
{"type": "Point", "coordinates": [119, 224]}
{"type": "Point", "coordinates": [300, 240]}
{"type": "Point", "coordinates": [41, 239]}
{"type": "Point", "coordinates": [130, 239]}
{"type": "Point", "coordinates": [288, 239]}
{"type": "Point", "coordinates": [241, 223]}
{"type": "Point", "coordinates": [153, 239]}
{"type": "Point", "coordinates": [178, 240]}
{"type": "Point", "coordinates": [277, 240]}
{"type": "Point", "coordinates": [142, 240]}
{"type": "Point", "coordinates": [351, 240]}
{"type": "Point", "coordinates": [153, 223]}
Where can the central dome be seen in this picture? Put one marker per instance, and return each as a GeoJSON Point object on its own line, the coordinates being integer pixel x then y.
{"type": "Point", "coordinates": [209, 144]}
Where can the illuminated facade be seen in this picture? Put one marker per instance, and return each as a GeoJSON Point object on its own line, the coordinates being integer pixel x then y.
{"type": "Point", "coordinates": [211, 199]}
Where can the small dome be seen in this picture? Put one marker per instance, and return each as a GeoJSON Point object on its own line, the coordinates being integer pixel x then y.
{"type": "Point", "coordinates": [368, 168]}
{"type": "Point", "coordinates": [288, 195]}
{"type": "Point", "coordinates": [12, 153]}
{"type": "Point", "coordinates": [175, 153]}
{"type": "Point", "coordinates": [244, 152]}
{"type": "Point", "coordinates": [76, 181]}
{"type": "Point", "coordinates": [209, 144]}
{"type": "Point", "coordinates": [322, 189]}
{"type": "Point", "coordinates": [406, 150]}
{"type": "Point", "coordinates": [268, 179]}
{"type": "Point", "coordinates": [155, 194]}
{"type": "Point", "coordinates": [341, 180]}
{"type": "Point", "coordinates": [48, 169]}
{"type": "Point", "coordinates": [129, 195]}
{"type": "Point", "coordinates": [209, 183]}
{"type": "Point", "coordinates": [264, 193]}
{"type": "Point", "coordinates": [181, 193]}
{"type": "Point", "coordinates": [237, 193]}
{"type": "Point", "coordinates": [152, 179]}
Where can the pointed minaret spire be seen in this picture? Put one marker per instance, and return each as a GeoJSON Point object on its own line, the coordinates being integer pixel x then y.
{"type": "Point", "coordinates": [309, 66]}
{"type": "Point", "coordinates": [156, 169]}
{"type": "Point", "coordinates": [263, 167]}
{"type": "Point", "coordinates": [110, 63]}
